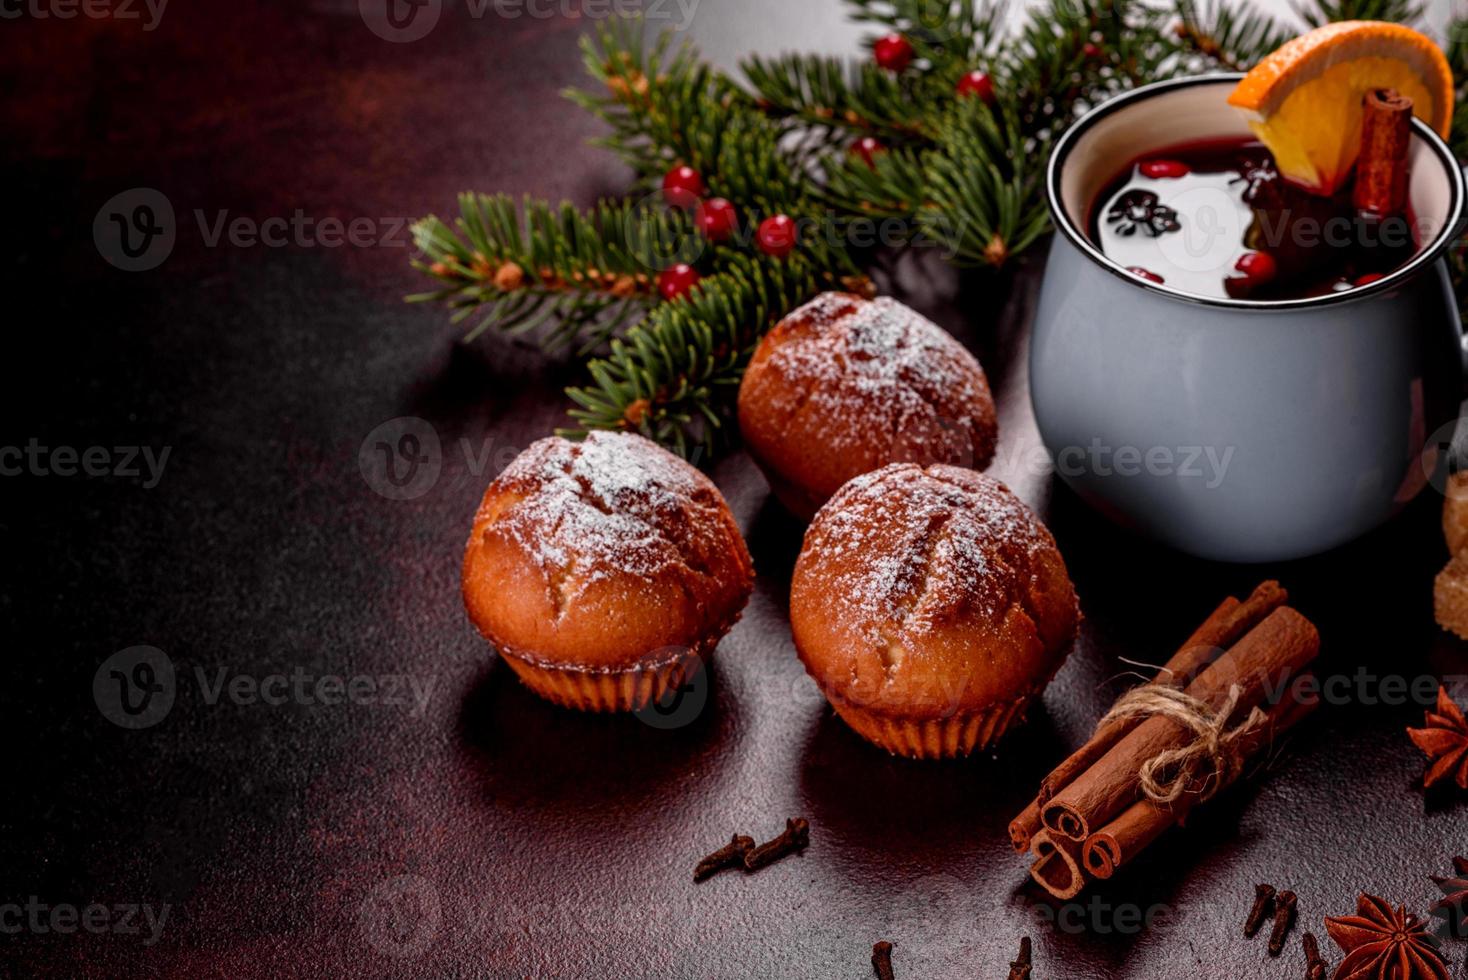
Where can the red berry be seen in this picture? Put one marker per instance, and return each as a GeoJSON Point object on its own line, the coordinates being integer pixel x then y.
{"type": "Point", "coordinates": [716, 218]}
{"type": "Point", "coordinates": [1257, 267]}
{"type": "Point", "coordinates": [976, 83]}
{"type": "Point", "coordinates": [683, 186]}
{"type": "Point", "coordinates": [867, 148]}
{"type": "Point", "coordinates": [777, 236]}
{"type": "Point", "coordinates": [1164, 169]}
{"type": "Point", "coordinates": [677, 281]}
{"type": "Point", "coordinates": [1142, 273]}
{"type": "Point", "coordinates": [893, 52]}
{"type": "Point", "coordinates": [1368, 279]}
{"type": "Point", "coordinates": [1092, 51]}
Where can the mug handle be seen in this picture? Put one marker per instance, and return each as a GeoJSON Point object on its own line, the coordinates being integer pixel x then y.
{"type": "Point", "coordinates": [1462, 231]}
{"type": "Point", "coordinates": [1463, 225]}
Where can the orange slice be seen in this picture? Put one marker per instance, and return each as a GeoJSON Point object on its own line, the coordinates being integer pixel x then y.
{"type": "Point", "coordinates": [1304, 100]}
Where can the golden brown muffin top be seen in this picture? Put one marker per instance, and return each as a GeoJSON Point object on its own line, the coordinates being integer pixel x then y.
{"type": "Point", "coordinates": [592, 551]}
{"type": "Point", "coordinates": [844, 385]}
{"type": "Point", "coordinates": [928, 591]}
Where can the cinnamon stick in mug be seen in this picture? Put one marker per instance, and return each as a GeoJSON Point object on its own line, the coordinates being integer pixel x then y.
{"type": "Point", "coordinates": [1272, 652]}
{"type": "Point", "coordinates": [1124, 838]}
{"type": "Point", "coordinates": [1381, 168]}
{"type": "Point", "coordinates": [1230, 621]}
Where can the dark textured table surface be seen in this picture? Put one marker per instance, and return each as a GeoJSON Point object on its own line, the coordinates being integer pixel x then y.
{"type": "Point", "coordinates": [468, 829]}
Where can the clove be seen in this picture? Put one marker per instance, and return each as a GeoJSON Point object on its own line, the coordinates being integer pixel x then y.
{"type": "Point", "coordinates": [1263, 908]}
{"type": "Point", "coordinates": [1315, 965]}
{"type": "Point", "coordinates": [882, 960]}
{"type": "Point", "coordinates": [1020, 968]}
{"type": "Point", "coordinates": [1284, 918]}
{"type": "Point", "coordinates": [795, 837]}
{"type": "Point", "coordinates": [731, 855]}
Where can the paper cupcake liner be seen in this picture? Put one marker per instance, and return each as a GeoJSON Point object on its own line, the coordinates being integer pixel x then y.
{"type": "Point", "coordinates": [934, 738]}
{"type": "Point", "coordinates": [605, 690]}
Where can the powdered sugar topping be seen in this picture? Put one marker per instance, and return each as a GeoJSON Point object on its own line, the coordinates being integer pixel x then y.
{"type": "Point", "coordinates": [612, 505]}
{"type": "Point", "coordinates": [907, 547]}
{"type": "Point", "coordinates": [879, 356]}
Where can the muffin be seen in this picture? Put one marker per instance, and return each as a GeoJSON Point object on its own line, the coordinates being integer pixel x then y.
{"type": "Point", "coordinates": [845, 385]}
{"type": "Point", "coordinates": [930, 606]}
{"type": "Point", "coordinates": [601, 570]}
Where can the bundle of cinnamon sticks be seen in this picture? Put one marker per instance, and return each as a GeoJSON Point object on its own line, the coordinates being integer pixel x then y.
{"type": "Point", "coordinates": [1240, 669]}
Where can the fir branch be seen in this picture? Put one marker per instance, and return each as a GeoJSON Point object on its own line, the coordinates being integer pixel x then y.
{"type": "Point", "coordinates": [674, 377]}
{"type": "Point", "coordinates": [1229, 33]}
{"type": "Point", "coordinates": [893, 186]}
{"type": "Point", "coordinates": [1072, 53]}
{"type": "Point", "coordinates": [1457, 51]}
{"type": "Point", "coordinates": [984, 185]}
{"type": "Point", "coordinates": [948, 36]}
{"type": "Point", "coordinates": [520, 267]}
{"type": "Point", "coordinates": [663, 104]}
{"type": "Point", "coordinates": [843, 98]}
{"type": "Point", "coordinates": [1319, 12]}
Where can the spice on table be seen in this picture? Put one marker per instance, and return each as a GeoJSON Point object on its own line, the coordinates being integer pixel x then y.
{"type": "Point", "coordinates": [1284, 918]}
{"type": "Point", "coordinates": [1225, 627]}
{"type": "Point", "coordinates": [1169, 745]}
{"type": "Point", "coordinates": [1444, 738]}
{"type": "Point", "coordinates": [731, 855]}
{"type": "Point", "coordinates": [795, 838]}
{"type": "Point", "coordinates": [1454, 907]}
{"type": "Point", "coordinates": [1380, 941]}
{"type": "Point", "coordinates": [1020, 968]}
{"type": "Point", "coordinates": [1315, 966]}
{"type": "Point", "coordinates": [882, 960]}
{"type": "Point", "coordinates": [1263, 909]}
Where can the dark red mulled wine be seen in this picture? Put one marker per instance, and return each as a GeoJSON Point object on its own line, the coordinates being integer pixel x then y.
{"type": "Point", "coordinates": [1215, 219]}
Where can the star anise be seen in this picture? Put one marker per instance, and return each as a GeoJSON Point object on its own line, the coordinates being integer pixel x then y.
{"type": "Point", "coordinates": [1445, 740]}
{"type": "Point", "coordinates": [1255, 173]}
{"type": "Point", "coordinates": [1141, 211]}
{"type": "Point", "coordinates": [1382, 944]}
{"type": "Point", "coordinates": [1454, 908]}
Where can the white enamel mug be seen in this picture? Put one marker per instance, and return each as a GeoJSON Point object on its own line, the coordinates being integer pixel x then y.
{"type": "Point", "coordinates": [1239, 430]}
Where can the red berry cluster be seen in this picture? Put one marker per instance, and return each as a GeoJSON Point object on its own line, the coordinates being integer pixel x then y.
{"type": "Point", "coordinates": [717, 219]}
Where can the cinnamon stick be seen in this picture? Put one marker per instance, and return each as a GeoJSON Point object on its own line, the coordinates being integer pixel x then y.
{"type": "Point", "coordinates": [1278, 647]}
{"type": "Point", "coordinates": [1139, 825]}
{"type": "Point", "coordinates": [1230, 621]}
{"type": "Point", "coordinates": [1024, 827]}
{"type": "Point", "coordinates": [1381, 167]}
{"type": "Point", "coordinates": [1057, 866]}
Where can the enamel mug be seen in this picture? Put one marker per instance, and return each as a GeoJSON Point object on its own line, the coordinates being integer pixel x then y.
{"type": "Point", "coordinates": [1239, 430]}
